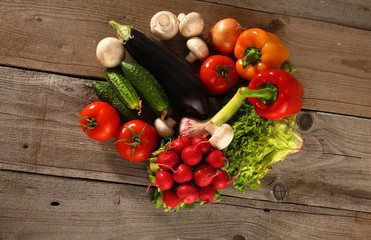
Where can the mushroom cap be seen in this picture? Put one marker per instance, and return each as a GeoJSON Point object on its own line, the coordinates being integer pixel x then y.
{"type": "Point", "coordinates": [191, 25]}
{"type": "Point", "coordinates": [164, 25]}
{"type": "Point", "coordinates": [110, 52]}
{"type": "Point", "coordinates": [198, 49]}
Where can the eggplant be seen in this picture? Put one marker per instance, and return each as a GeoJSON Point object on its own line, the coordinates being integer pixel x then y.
{"type": "Point", "coordinates": [184, 90]}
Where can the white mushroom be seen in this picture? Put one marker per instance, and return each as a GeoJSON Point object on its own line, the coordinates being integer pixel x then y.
{"type": "Point", "coordinates": [165, 127]}
{"type": "Point", "coordinates": [221, 136]}
{"type": "Point", "coordinates": [110, 52]}
{"type": "Point", "coordinates": [198, 49]}
{"type": "Point", "coordinates": [164, 25]}
{"type": "Point", "coordinates": [190, 25]}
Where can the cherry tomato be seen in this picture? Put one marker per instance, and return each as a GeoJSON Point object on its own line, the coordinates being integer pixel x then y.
{"type": "Point", "coordinates": [219, 74]}
{"type": "Point", "coordinates": [136, 140]}
{"type": "Point", "coordinates": [99, 121]}
{"type": "Point", "coordinates": [224, 35]}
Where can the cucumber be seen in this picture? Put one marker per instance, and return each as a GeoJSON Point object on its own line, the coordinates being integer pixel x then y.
{"type": "Point", "coordinates": [106, 94]}
{"type": "Point", "coordinates": [187, 95]}
{"type": "Point", "coordinates": [148, 88]}
{"type": "Point", "coordinates": [123, 88]}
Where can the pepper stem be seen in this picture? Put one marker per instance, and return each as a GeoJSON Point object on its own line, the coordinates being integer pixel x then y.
{"type": "Point", "coordinates": [123, 31]}
{"type": "Point", "coordinates": [267, 94]}
{"type": "Point", "coordinates": [252, 56]}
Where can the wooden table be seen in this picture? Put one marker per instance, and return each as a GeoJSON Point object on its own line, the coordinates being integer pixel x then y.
{"type": "Point", "coordinates": [55, 183]}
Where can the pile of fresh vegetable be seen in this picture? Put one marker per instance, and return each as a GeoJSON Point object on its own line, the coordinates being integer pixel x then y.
{"type": "Point", "coordinates": [192, 156]}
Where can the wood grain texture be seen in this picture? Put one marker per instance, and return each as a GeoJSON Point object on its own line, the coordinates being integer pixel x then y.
{"type": "Point", "coordinates": [347, 13]}
{"type": "Point", "coordinates": [41, 135]}
{"type": "Point", "coordinates": [45, 207]}
{"type": "Point", "coordinates": [333, 61]}
{"type": "Point", "coordinates": [56, 183]}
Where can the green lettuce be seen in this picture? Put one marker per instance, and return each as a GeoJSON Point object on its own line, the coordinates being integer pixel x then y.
{"type": "Point", "coordinates": [257, 144]}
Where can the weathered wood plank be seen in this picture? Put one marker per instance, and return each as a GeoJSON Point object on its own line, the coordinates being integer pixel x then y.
{"type": "Point", "coordinates": [347, 13]}
{"type": "Point", "coordinates": [35, 207]}
{"type": "Point", "coordinates": [333, 61]}
{"type": "Point", "coordinates": [40, 135]}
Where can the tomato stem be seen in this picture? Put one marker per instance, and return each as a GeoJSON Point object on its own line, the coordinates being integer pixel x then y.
{"type": "Point", "coordinates": [223, 71]}
{"type": "Point", "coordinates": [91, 123]}
{"type": "Point", "coordinates": [133, 141]}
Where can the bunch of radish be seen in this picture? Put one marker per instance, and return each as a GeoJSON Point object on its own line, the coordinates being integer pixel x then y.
{"type": "Point", "coordinates": [190, 169]}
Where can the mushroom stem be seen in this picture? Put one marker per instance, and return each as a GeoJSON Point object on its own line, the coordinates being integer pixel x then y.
{"type": "Point", "coordinates": [191, 58]}
{"type": "Point", "coordinates": [211, 128]}
{"type": "Point", "coordinates": [221, 136]}
{"type": "Point", "coordinates": [165, 127]}
{"type": "Point", "coordinates": [170, 122]}
{"type": "Point", "coordinates": [181, 16]}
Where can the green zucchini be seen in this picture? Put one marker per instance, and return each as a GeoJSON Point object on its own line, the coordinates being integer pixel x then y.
{"type": "Point", "coordinates": [106, 94]}
{"type": "Point", "coordinates": [148, 88]}
{"type": "Point", "coordinates": [123, 88]}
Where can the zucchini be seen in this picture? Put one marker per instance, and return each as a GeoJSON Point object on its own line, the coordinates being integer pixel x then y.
{"type": "Point", "coordinates": [123, 88]}
{"type": "Point", "coordinates": [185, 91]}
{"type": "Point", "coordinates": [106, 94]}
{"type": "Point", "coordinates": [148, 88]}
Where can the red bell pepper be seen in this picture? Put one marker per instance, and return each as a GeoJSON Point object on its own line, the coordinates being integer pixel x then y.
{"type": "Point", "coordinates": [288, 97]}
{"type": "Point", "coordinates": [274, 94]}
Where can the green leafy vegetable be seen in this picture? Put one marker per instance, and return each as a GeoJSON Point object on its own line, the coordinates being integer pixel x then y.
{"type": "Point", "coordinates": [257, 144]}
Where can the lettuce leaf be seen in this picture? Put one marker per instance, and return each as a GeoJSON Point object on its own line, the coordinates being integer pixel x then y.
{"type": "Point", "coordinates": [258, 143]}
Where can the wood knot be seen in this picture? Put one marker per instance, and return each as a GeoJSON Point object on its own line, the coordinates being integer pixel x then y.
{"type": "Point", "coordinates": [305, 121]}
{"type": "Point", "coordinates": [276, 25]}
{"type": "Point", "coordinates": [54, 204]}
{"type": "Point", "coordinates": [239, 237]}
{"type": "Point", "coordinates": [117, 199]}
{"type": "Point", "coordinates": [279, 191]}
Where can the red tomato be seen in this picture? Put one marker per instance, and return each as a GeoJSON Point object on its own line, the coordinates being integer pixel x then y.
{"type": "Point", "coordinates": [136, 140]}
{"type": "Point", "coordinates": [99, 121]}
{"type": "Point", "coordinates": [224, 35]}
{"type": "Point", "coordinates": [219, 74]}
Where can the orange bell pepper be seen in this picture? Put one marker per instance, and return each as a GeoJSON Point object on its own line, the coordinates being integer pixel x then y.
{"type": "Point", "coordinates": [257, 50]}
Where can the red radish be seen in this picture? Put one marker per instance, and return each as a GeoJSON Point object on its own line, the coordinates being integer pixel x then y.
{"type": "Point", "coordinates": [207, 193]}
{"type": "Point", "coordinates": [215, 159]}
{"type": "Point", "coordinates": [191, 155]}
{"type": "Point", "coordinates": [202, 143]}
{"type": "Point", "coordinates": [164, 180]}
{"type": "Point", "coordinates": [221, 179]}
{"type": "Point", "coordinates": [168, 160]}
{"type": "Point", "coordinates": [187, 193]}
{"type": "Point", "coordinates": [170, 198]}
{"type": "Point", "coordinates": [179, 144]}
{"type": "Point", "coordinates": [203, 175]}
{"type": "Point", "coordinates": [183, 174]}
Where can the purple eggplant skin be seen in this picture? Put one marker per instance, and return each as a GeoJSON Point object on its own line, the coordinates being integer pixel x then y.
{"type": "Point", "coordinates": [185, 91]}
